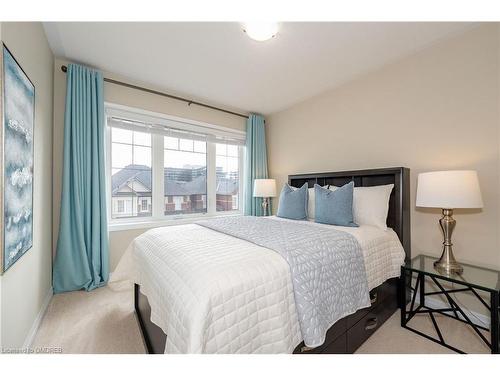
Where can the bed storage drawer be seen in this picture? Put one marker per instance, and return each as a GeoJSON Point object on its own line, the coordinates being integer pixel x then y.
{"type": "Point", "coordinates": [338, 346]}
{"type": "Point", "coordinates": [347, 335]}
{"type": "Point", "coordinates": [367, 325]}
{"type": "Point", "coordinates": [337, 330]}
{"type": "Point", "coordinates": [389, 289]}
{"type": "Point", "coordinates": [377, 295]}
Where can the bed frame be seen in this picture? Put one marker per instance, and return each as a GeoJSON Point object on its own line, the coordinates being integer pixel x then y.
{"type": "Point", "coordinates": [349, 333]}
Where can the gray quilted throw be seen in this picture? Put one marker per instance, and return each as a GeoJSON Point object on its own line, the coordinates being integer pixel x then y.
{"type": "Point", "coordinates": [327, 267]}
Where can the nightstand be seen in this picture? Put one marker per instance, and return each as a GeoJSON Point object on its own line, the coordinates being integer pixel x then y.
{"type": "Point", "coordinates": [418, 272]}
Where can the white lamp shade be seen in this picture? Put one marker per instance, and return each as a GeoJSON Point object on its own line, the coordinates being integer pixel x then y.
{"type": "Point", "coordinates": [449, 189]}
{"type": "Point", "coordinates": [264, 188]}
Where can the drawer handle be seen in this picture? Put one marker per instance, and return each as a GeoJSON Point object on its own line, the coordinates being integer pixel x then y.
{"type": "Point", "coordinates": [373, 298]}
{"type": "Point", "coordinates": [371, 324]}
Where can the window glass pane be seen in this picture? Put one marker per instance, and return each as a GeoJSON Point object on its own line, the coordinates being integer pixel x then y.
{"type": "Point", "coordinates": [185, 182]}
{"type": "Point", "coordinates": [121, 155]}
{"type": "Point", "coordinates": [131, 176]}
{"type": "Point", "coordinates": [232, 150]}
{"type": "Point", "coordinates": [142, 156]}
{"type": "Point", "coordinates": [184, 160]}
{"type": "Point", "coordinates": [200, 146]}
{"type": "Point", "coordinates": [143, 139]}
{"type": "Point", "coordinates": [232, 165]}
{"type": "Point", "coordinates": [172, 143]}
{"type": "Point", "coordinates": [121, 135]}
{"type": "Point", "coordinates": [221, 149]}
{"type": "Point", "coordinates": [227, 176]}
{"type": "Point", "coordinates": [186, 144]}
{"type": "Point", "coordinates": [131, 192]}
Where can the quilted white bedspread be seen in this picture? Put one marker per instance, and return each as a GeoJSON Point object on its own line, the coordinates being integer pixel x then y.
{"type": "Point", "coordinates": [214, 293]}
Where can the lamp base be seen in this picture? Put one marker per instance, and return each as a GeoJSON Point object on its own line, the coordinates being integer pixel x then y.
{"type": "Point", "coordinates": [447, 268]}
{"type": "Point", "coordinates": [265, 205]}
{"type": "Point", "coordinates": [447, 264]}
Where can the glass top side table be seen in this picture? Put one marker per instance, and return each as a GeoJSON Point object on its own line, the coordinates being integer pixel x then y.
{"type": "Point", "coordinates": [473, 279]}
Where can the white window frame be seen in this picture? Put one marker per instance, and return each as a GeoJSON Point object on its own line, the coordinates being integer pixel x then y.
{"type": "Point", "coordinates": [158, 218]}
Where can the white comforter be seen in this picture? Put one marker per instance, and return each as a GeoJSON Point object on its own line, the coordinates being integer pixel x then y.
{"type": "Point", "coordinates": [213, 293]}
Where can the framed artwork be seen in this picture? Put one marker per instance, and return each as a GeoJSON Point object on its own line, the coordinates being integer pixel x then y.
{"type": "Point", "coordinates": [17, 109]}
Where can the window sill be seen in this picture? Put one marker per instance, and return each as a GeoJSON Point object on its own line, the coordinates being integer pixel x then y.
{"type": "Point", "coordinates": [116, 225]}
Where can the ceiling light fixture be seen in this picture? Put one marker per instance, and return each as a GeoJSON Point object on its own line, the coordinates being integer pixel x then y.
{"type": "Point", "coordinates": [261, 31]}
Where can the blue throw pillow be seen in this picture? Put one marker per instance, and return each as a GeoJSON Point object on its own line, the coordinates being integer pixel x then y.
{"type": "Point", "coordinates": [334, 207]}
{"type": "Point", "coordinates": [293, 203]}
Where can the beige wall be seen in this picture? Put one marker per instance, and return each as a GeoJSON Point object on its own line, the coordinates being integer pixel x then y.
{"type": "Point", "coordinates": [26, 285]}
{"type": "Point", "coordinates": [134, 98]}
{"type": "Point", "coordinates": [437, 109]}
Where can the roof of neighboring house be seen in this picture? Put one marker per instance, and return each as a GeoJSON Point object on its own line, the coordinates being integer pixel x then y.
{"type": "Point", "coordinates": [198, 185]}
{"type": "Point", "coordinates": [227, 186]}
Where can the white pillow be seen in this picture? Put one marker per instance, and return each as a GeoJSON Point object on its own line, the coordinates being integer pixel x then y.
{"type": "Point", "coordinates": [370, 204]}
{"type": "Point", "coordinates": [311, 204]}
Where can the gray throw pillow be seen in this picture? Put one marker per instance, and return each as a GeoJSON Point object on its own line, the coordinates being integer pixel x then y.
{"type": "Point", "coordinates": [334, 207]}
{"type": "Point", "coordinates": [293, 203]}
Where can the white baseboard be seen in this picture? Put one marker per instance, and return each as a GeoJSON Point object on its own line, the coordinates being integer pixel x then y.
{"type": "Point", "coordinates": [36, 324]}
{"type": "Point", "coordinates": [475, 317]}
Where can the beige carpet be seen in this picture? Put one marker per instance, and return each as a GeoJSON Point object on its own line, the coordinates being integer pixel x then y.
{"type": "Point", "coordinates": [103, 321]}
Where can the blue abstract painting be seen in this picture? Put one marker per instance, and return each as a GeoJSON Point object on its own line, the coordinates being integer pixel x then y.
{"type": "Point", "coordinates": [18, 104]}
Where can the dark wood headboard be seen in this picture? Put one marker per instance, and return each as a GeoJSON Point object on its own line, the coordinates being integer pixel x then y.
{"type": "Point", "coordinates": [398, 217]}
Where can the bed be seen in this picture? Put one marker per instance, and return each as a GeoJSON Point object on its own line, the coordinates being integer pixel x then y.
{"type": "Point", "coordinates": [207, 292]}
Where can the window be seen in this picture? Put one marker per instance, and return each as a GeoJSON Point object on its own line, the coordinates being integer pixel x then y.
{"type": "Point", "coordinates": [130, 172]}
{"type": "Point", "coordinates": [161, 167]}
{"type": "Point", "coordinates": [227, 174]}
{"type": "Point", "coordinates": [185, 166]}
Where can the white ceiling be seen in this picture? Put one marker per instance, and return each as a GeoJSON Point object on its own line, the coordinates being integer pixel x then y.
{"type": "Point", "coordinates": [218, 63]}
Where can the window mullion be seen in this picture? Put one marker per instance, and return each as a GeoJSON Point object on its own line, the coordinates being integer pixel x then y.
{"type": "Point", "coordinates": [211, 179]}
{"type": "Point", "coordinates": [158, 203]}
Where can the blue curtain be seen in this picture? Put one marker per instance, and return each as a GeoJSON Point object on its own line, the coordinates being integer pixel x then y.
{"type": "Point", "coordinates": [82, 258]}
{"type": "Point", "coordinates": [255, 162]}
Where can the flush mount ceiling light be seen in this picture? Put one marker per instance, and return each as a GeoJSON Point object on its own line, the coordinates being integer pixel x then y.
{"type": "Point", "coordinates": [261, 31]}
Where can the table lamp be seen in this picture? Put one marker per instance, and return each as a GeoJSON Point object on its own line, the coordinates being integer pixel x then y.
{"type": "Point", "coordinates": [264, 188]}
{"type": "Point", "coordinates": [448, 190]}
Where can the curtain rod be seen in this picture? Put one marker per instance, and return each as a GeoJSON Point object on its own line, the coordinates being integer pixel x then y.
{"type": "Point", "coordinates": [65, 69]}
